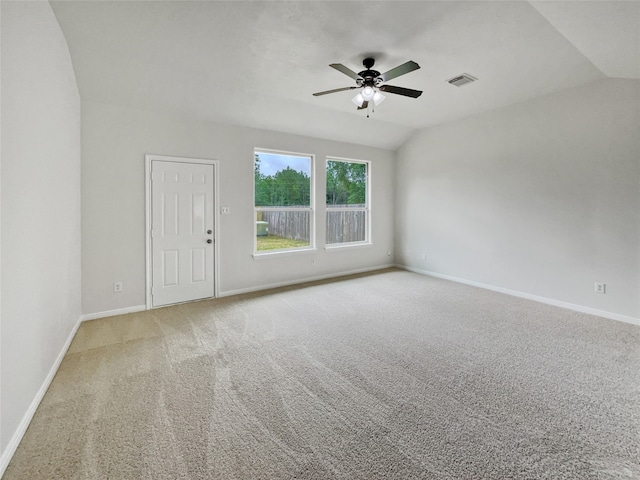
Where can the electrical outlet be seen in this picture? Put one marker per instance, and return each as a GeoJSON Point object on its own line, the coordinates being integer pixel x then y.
{"type": "Point", "coordinates": [388, 253]}
{"type": "Point", "coordinates": [117, 287]}
{"type": "Point", "coordinates": [225, 210]}
{"type": "Point", "coordinates": [600, 287]}
{"type": "Point", "coordinates": [424, 256]}
{"type": "Point", "coordinates": [313, 261]}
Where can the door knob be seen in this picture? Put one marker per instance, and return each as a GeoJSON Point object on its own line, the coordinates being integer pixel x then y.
{"type": "Point", "coordinates": [209, 232]}
{"type": "Point", "coordinates": [209, 240]}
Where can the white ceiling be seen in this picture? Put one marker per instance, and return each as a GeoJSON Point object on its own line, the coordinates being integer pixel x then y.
{"type": "Point", "coordinates": [257, 63]}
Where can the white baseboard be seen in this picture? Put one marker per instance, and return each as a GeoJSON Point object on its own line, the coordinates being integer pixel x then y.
{"type": "Point", "coordinates": [528, 296]}
{"type": "Point", "coordinates": [287, 283]}
{"type": "Point", "coordinates": [16, 438]}
{"type": "Point", "coordinates": [140, 308]}
{"type": "Point", "coordinates": [111, 313]}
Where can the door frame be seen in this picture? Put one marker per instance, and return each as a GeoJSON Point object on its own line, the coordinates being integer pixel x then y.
{"type": "Point", "coordinates": [148, 215]}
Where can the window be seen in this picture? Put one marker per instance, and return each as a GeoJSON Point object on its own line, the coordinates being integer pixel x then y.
{"type": "Point", "coordinates": [283, 199]}
{"type": "Point", "coordinates": [347, 201]}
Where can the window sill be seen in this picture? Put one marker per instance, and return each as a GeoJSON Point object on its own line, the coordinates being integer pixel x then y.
{"type": "Point", "coordinates": [282, 253]}
{"type": "Point", "coordinates": [346, 246]}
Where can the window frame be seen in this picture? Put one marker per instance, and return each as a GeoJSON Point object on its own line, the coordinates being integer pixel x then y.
{"type": "Point", "coordinates": [263, 254]}
{"type": "Point", "coordinates": [367, 208]}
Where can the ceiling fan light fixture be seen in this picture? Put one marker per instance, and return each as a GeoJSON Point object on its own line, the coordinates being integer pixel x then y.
{"type": "Point", "coordinates": [378, 98]}
{"type": "Point", "coordinates": [358, 100]}
{"type": "Point", "coordinates": [368, 93]}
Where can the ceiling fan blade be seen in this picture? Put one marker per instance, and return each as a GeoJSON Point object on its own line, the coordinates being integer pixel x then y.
{"type": "Point", "coordinates": [333, 91]}
{"type": "Point", "coordinates": [407, 92]}
{"type": "Point", "coordinates": [410, 66]}
{"type": "Point", "coordinates": [348, 72]}
{"type": "Point", "coordinates": [364, 105]}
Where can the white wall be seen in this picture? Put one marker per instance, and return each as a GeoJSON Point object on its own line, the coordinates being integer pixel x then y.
{"type": "Point", "coordinates": [541, 197]}
{"type": "Point", "coordinates": [41, 289]}
{"type": "Point", "coordinates": [114, 143]}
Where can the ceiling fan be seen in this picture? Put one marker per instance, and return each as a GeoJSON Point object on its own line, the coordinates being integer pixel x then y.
{"type": "Point", "coordinates": [370, 81]}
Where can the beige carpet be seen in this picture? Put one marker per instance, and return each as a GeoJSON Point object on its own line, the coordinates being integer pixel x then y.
{"type": "Point", "coordinates": [385, 376]}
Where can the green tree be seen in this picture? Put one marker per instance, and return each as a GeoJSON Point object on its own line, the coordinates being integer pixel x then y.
{"type": "Point", "coordinates": [346, 183]}
{"type": "Point", "coordinates": [260, 183]}
{"type": "Point", "coordinates": [287, 187]}
{"type": "Point", "coordinates": [291, 188]}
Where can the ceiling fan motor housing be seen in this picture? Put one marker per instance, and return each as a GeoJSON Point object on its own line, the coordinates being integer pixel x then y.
{"type": "Point", "coordinates": [370, 76]}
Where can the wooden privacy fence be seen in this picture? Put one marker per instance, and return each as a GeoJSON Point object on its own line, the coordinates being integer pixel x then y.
{"type": "Point", "coordinates": [345, 226]}
{"type": "Point", "coordinates": [293, 225]}
{"type": "Point", "coordinates": [342, 226]}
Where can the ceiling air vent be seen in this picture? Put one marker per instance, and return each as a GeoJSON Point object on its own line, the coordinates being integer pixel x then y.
{"type": "Point", "coordinates": [462, 79]}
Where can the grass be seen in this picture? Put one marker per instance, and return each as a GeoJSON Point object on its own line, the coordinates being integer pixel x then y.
{"type": "Point", "coordinates": [272, 242]}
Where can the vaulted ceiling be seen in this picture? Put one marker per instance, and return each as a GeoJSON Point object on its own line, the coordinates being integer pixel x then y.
{"type": "Point", "coordinates": [257, 63]}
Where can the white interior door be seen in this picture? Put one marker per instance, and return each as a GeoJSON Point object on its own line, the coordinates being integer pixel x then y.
{"type": "Point", "coordinates": [182, 222]}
